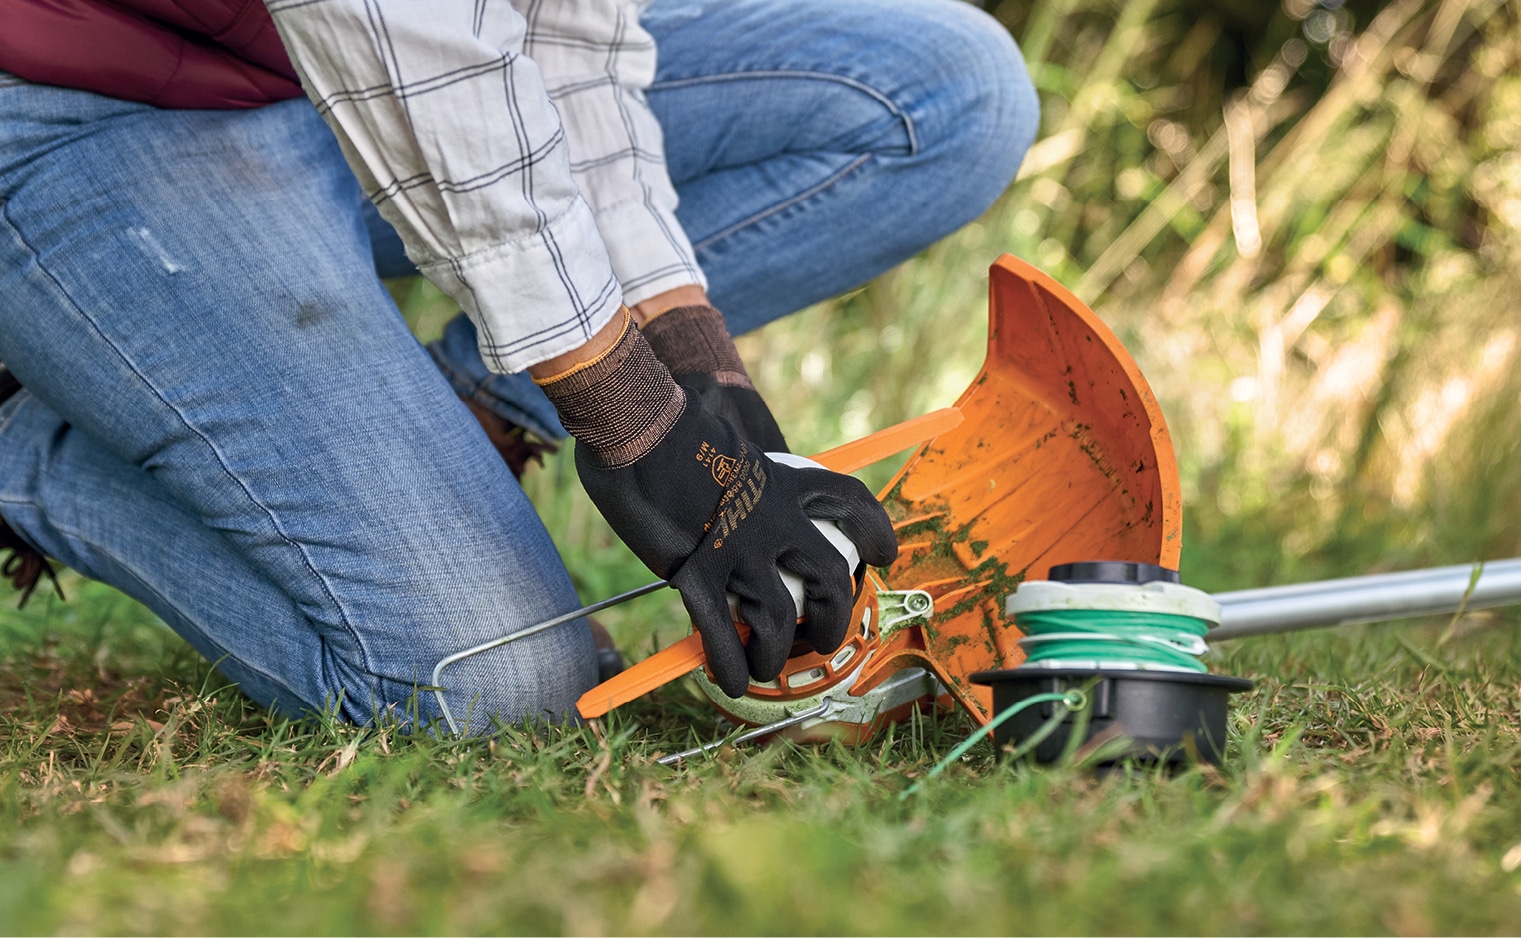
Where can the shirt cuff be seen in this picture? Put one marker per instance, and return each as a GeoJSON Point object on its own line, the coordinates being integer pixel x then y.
{"type": "Point", "coordinates": [649, 250]}
{"type": "Point", "coordinates": [537, 297]}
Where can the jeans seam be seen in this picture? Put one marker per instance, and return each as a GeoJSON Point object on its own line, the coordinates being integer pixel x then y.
{"type": "Point", "coordinates": [216, 455]}
{"type": "Point", "coordinates": [147, 587]}
{"type": "Point", "coordinates": [786, 204]}
{"type": "Point", "coordinates": [861, 86]}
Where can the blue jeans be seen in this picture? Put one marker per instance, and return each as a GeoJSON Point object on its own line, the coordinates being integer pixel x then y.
{"type": "Point", "coordinates": [225, 416]}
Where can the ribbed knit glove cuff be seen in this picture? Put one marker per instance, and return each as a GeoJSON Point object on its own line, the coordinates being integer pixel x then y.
{"type": "Point", "coordinates": [693, 340]}
{"type": "Point", "coordinates": [620, 404]}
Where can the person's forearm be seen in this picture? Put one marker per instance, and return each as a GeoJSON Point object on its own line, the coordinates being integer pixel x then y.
{"type": "Point", "coordinates": [642, 313]}
{"type": "Point", "coordinates": [589, 351]}
{"type": "Point", "coordinates": [691, 295]}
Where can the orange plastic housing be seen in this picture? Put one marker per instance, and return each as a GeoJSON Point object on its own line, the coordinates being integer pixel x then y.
{"type": "Point", "coordinates": [1063, 455]}
{"type": "Point", "coordinates": [1056, 452]}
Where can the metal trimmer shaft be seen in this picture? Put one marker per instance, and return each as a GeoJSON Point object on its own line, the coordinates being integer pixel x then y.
{"type": "Point", "coordinates": [1376, 598]}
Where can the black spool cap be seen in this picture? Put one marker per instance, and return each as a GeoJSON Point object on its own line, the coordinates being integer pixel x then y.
{"type": "Point", "coordinates": [1163, 716]}
{"type": "Point", "coordinates": [1112, 571]}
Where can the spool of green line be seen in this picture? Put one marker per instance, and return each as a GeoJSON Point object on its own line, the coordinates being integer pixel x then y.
{"type": "Point", "coordinates": [1156, 625]}
{"type": "Point", "coordinates": [1143, 640]}
{"type": "Point", "coordinates": [1134, 635]}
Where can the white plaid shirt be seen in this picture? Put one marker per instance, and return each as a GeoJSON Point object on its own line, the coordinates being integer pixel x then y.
{"type": "Point", "coordinates": [539, 218]}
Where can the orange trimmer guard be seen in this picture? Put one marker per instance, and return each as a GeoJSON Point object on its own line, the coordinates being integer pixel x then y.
{"type": "Point", "coordinates": [1063, 455]}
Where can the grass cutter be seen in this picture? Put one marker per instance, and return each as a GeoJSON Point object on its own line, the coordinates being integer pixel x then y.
{"type": "Point", "coordinates": [1039, 523]}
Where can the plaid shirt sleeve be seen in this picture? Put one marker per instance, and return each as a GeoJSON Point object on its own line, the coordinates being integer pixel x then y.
{"type": "Point", "coordinates": [597, 60]}
{"type": "Point", "coordinates": [450, 129]}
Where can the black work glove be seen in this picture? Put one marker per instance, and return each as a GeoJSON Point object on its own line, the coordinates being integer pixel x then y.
{"type": "Point", "coordinates": [702, 507]}
{"type": "Point", "coordinates": [694, 343]}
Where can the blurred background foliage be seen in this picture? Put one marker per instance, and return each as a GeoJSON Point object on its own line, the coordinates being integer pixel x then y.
{"type": "Point", "coordinates": [1304, 221]}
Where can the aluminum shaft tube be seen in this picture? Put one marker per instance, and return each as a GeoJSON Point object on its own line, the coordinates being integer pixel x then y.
{"type": "Point", "coordinates": [1376, 598]}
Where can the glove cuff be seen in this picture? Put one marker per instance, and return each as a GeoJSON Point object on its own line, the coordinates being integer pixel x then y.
{"type": "Point", "coordinates": [619, 405]}
{"type": "Point", "coordinates": [694, 340]}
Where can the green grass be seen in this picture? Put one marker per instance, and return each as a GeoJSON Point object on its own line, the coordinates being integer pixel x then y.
{"type": "Point", "coordinates": [1371, 786]}
{"type": "Point", "coordinates": [1322, 293]}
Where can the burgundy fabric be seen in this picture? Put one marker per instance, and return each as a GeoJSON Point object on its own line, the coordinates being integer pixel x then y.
{"type": "Point", "coordinates": [168, 53]}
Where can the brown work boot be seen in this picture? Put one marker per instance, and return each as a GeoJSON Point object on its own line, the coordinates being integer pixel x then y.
{"type": "Point", "coordinates": [518, 449]}
{"type": "Point", "coordinates": [609, 658]}
{"type": "Point", "coordinates": [26, 565]}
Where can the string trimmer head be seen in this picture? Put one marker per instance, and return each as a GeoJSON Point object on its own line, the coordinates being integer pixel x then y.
{"type": "Point", "coordinates": [1057, 452]}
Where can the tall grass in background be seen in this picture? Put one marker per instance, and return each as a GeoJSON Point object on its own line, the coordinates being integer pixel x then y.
{"type": "Point", "coordinates": [1305, 223]}
{"type": "Point", "coordinates": [1311, 248]}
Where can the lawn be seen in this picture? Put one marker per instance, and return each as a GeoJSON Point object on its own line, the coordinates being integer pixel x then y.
{"type": "Point", "coordinates": [1371, 786]}
{"type": "Point", "coordinates": [1306, 224]}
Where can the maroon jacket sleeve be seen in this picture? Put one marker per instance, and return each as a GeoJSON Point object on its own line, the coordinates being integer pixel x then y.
{"type": "Point", "coordinates": [205, 54]}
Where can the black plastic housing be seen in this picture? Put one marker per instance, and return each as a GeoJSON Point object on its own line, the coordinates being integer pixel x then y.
{"type": "Point", "coordinates": [1163, 714]}
{"type": "Point", "coordinates": [1112, 571]}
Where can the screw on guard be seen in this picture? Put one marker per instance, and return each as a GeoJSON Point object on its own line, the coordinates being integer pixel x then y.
{"type": "Point", "coordinates": [1057, 449]}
